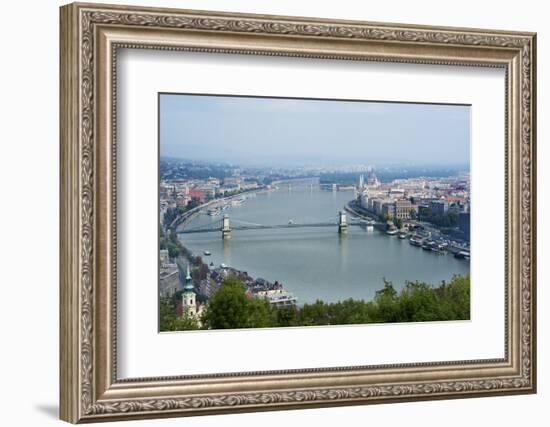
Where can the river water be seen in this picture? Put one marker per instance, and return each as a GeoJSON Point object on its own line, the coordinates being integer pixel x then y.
{"type": "Point", "coordinates": [316, 263]}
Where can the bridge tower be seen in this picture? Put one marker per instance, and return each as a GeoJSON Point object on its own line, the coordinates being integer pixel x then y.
{"type": "Point", "coordinates": [226, 230]}
{"type": "Point", "coordinates": [342, 222]}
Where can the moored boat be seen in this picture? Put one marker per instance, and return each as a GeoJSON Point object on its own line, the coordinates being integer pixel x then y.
{"type": "Point", "coordinates": [433, 246]}
{"type": "Point", "coordinates": [438, 248]}
{"type": "Point", "coordinates": [427, 245]}
{"type": "Point", "coordinates": [237, 202]}
{"type": "Point", "coordinates": [415, 241]}
{"type": "Point", "coordinates": [462, 255]}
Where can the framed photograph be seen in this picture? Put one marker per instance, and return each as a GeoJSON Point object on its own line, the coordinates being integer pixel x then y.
{"type": "Point", "coordinates": [266, 212]}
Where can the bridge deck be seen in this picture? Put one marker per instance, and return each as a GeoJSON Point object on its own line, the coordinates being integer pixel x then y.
{"type": "Point", "coordinates": [266, 227]}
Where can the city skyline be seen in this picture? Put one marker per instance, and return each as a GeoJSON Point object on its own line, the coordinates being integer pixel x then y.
{"type": "Point", "coordinates": [280, 212]}
{"type": "Point", "coordinates": [289, 132]}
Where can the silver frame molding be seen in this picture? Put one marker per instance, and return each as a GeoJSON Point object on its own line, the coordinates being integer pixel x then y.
{"type": "Point", "coordinates": [90, 37]}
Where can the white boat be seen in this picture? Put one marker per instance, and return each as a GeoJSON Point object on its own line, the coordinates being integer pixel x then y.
{"type": "Point", "coordinates": [415, 241]}
{"type": "Point", "coordinates": [463, 255]}
{"type": "Point", "coordinates": [238, 202]}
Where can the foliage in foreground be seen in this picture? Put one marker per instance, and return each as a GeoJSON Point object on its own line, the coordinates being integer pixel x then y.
{"type": "Point", "coordinates": [231, 308]}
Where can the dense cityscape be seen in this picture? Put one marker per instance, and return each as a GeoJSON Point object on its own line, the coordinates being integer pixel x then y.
{"type": "Point", "coordinates": [426, 206]}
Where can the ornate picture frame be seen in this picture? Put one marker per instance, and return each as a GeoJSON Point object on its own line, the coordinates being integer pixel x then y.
{"type": "Point", "coordinates": [90, 37]}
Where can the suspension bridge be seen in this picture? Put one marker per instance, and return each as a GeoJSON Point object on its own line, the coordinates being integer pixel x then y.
{"type": "Point", "coordinates": [223, 225]}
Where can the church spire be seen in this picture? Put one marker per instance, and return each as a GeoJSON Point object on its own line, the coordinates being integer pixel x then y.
{"type": "Point", "coordinates": [189, 287]}
{"type": "Point", "coordinates": [189, 301]}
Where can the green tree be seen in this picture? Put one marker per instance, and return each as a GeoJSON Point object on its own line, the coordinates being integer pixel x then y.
{"type": "Point", "coordinates": [447, 220]}
{"type": "Point", "coordinates": [285, 316]}
{"type": "Point", "coordinates": [398, 222]}
{"type": "Point", "coordinates": [345, 312]}
{"type": "Point", "coordinates": [231, 308]}
{"type": "Point", "coordinates": [314, 314]}
{"type": "Point", "coordinates": [170, 321]}
{"type": "Point", "coordinates": [173, 249]}
{"type": "Point", "coordinates": [200, 273]}
{"type": "Point", "coordinates": [167, 315]}
{"type": "Point", "coordinates": [385, 300]}
{"type": "Point", "coordinates": [455, 297]}
{"type": "Point", "coordinates": [259, 315]}
{"type": "Point", "coordinates": [186, 322]}
{"type": "Point", "coordinates": [418, 302]}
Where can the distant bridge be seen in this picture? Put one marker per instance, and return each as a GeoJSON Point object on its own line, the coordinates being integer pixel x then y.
{"type": "Point", "coordinates": [224, 227]}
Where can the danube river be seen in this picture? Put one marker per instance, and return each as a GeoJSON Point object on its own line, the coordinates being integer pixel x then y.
{"type": "Point", "coordinates": [316, 263]}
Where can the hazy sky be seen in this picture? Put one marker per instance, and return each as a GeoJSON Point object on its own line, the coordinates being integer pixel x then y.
{"type": "Point", "coordinates": [279, 131]}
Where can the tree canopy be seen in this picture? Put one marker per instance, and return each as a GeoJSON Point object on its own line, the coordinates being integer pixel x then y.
{"type": "Point", "coordinates": [232, 308]}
